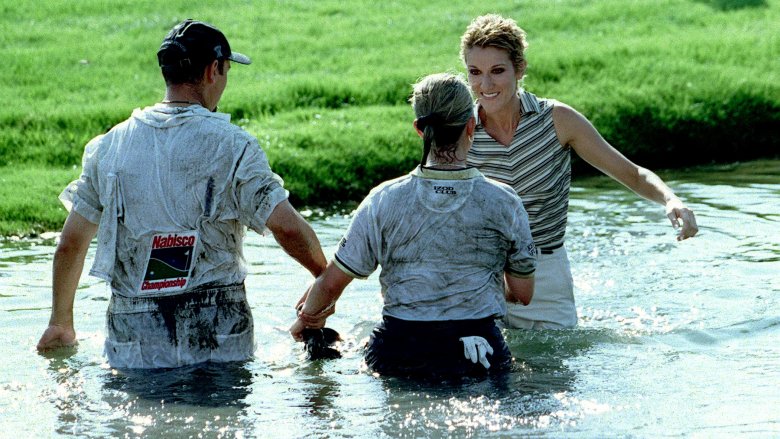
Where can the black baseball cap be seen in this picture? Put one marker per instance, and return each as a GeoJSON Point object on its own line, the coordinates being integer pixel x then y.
{"type": "Point", "coordinates": [191, 42]}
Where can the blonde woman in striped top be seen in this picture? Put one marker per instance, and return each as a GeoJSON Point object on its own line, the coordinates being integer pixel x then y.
{"type": "Point", "coordinates": [526, 141]}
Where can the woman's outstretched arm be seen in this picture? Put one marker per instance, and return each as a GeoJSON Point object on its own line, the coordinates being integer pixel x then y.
{"type": "Point", "coordinates": [576, 131]}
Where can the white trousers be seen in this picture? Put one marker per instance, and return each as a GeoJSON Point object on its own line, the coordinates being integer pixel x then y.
{"type": "Point", "coordinates": [552, 306]}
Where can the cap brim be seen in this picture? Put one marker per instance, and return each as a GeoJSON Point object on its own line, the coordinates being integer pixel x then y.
{"type": "Point", "coordinates": [239, 58]}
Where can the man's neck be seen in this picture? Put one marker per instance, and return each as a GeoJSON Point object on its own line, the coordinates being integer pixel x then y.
{"type": "Point", "coordinates": [183, 95]}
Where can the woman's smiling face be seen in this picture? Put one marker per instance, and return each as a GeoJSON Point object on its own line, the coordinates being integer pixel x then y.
{"type": "Point", "coordinates": [492, 77]}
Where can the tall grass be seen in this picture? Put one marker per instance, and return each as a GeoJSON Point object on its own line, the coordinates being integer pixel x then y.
{"type": "Point", "coordinates": [669, 82]}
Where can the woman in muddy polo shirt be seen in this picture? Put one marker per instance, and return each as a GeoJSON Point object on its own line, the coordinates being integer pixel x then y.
{"type": "Point", "coordinates": [453, 246]}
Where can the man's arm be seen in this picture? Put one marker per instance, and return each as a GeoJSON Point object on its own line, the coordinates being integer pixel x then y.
{"type": "Point", "coordinates": [296, 237]}
{"type": "Point", "coordinates": [69, 257]}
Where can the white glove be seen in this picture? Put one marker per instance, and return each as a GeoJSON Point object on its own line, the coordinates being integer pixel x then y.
{"type": "Point", "coordinates": [476, 348]}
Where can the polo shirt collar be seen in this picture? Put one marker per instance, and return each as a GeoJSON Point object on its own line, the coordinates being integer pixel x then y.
{"type": "Point", "coordinates": [528, 105]}
{"type": "Point", "coordinates": [445, 174]}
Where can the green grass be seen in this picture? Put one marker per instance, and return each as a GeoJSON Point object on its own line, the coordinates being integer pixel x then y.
{"type": "Point", "coordinates": [28, 198]}
{"type": "Point", "coordinates": [338, 154]}
{"type": "Point", "coordinates": [669, 82]}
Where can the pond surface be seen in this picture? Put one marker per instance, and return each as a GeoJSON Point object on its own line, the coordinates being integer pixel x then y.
{"type": "Point", "coordinates": [675, 339]}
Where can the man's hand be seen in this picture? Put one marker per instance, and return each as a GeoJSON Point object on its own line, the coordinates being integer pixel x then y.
{"type": "Point", "coordinates": [476, 348]}
{"type": "Point", "coordinates": [296, 330]}
{"type": "Point", "coordinates": [305, 321]}
{"type": "Point", "coordinates": [57, 336]}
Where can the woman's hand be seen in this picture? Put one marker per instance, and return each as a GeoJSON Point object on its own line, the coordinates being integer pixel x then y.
{"type": "Point", "coordinates": [678, 213]}
{"type": "Point", "coordinates": [302, 300]}
{"type": "Point", "coordinates": [316, 321]}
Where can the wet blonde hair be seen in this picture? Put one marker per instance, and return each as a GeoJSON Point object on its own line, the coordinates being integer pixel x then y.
{"type": "Point", "coordinates": [495, 31]}
{"type": "Point", "coordinates": [442, 105]}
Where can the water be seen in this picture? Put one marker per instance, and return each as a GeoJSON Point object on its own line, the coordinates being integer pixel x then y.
{"type": "Point", "coordinates": [675, 339]}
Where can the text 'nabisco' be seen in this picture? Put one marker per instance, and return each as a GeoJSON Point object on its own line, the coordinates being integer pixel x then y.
{"type": "Point", "coordinates": [172, 241]}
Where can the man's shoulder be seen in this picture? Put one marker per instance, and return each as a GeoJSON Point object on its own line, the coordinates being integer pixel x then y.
{"type": "Point", "coordinates": [106, 138]}
{"type": "Point", "coordinates": [240, 133]}
{"type": "Point", "coordinates": [230, 129]}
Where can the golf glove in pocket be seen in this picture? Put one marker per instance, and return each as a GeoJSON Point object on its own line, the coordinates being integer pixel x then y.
{"type": "Point", "coordinates": [476, 348]}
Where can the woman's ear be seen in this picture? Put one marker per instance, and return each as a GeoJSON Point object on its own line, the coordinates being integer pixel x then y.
{"type": "Point", "coordinates": [471, 126]}
{"type": "Point", "coordinates": [521, 70]}
{"type": "Point", "coordinates": [419, 133]}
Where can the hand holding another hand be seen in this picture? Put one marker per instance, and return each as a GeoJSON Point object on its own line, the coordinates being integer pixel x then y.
{"type": "Point", "coordinates": [313, 321]}
{"type": "Point", "coordinates": [316, 321]}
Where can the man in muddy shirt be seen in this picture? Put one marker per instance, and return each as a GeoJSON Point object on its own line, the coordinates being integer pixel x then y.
{"type": "Point", "coordinates": [169, 193]}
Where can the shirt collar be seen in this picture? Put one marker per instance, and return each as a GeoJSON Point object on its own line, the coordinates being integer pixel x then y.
{"type": "Point", "coordinates": [445, 174]}
{"type": "Point", "coordinates": [195, 109]}
{"type": "Point", "coordinates": [528, 105]}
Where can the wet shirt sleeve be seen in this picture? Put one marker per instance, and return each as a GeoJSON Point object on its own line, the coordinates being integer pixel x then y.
{"type": "Point", "coordinates": [356, 255]}
{"type": "Point", "coordinates": [258, 190]}
{"type": "Point", "coordinates": [81, 196]}
{"type": "Point", "coordinates": [521, 257]}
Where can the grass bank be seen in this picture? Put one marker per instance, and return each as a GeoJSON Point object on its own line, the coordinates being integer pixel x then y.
{"type": "Point", "coordinates": [671, 83]}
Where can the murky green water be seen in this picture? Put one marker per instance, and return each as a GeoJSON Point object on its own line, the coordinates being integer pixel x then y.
{"type": "Point", "coordinates": [675, 339]}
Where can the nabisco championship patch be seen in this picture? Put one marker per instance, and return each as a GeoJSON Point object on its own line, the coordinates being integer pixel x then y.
{"type": "Point", "coordinates": [170, 262]}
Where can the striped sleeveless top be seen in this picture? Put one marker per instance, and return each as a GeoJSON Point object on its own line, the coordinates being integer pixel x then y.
{"type": "Point", "coordinates": [535, 164]}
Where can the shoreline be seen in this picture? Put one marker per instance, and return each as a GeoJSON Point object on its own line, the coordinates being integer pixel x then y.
{"type": "Point", "coordinates": [687, 84]}
{"type": "Point", "coordinates": [734, 173]}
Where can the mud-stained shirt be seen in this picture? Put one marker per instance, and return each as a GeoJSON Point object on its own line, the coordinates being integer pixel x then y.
{"type": "Point", "coordinates": [444, 239]}
{"type": "Point", "coordinates": [173, 190]}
